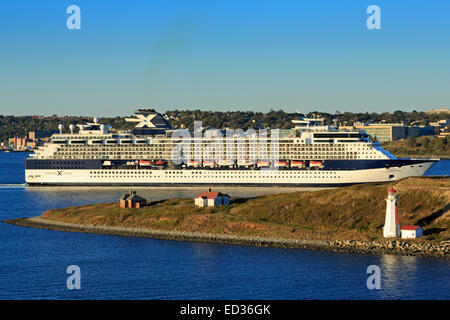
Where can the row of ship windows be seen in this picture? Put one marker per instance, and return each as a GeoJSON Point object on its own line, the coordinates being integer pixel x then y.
{"type": "Point", "coordinates": [112, 143]}
{"type": "Point", "coordinates": [243, 154]}
{"type": "Point", "coordinates": [247, 147]}
{"type": "Point", "coordinates": [212, 147]}
{"type": "Point", "coordinates": [212, 154]}
{"type": "Point", "coordinates": [78, 148]}
{"type": "Point", "coordinates": [200, 174]}
{"type": "Point", "coordinates": [290, 157]}
{"type": "Point", "coordinates": [217, 177]}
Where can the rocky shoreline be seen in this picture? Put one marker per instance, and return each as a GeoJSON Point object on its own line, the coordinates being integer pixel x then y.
{"type": "Point", "coordinates": [366, 247]}
{"type": "Point", "coordinates": [396, 247]}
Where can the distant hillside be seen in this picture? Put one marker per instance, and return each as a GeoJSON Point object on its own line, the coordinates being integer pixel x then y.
{"type": "Point", "coordinates": [426, 145]}
{"type": "Point", "coordinates": [19, 126]}
{"type": "Point", "coordinates": [355, 212]}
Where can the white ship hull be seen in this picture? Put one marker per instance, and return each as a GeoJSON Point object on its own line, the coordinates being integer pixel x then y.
{"type": "Point", "coordinates": [311, 177]}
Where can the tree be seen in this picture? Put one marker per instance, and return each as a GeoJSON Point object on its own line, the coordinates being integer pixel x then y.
{"type": "Point", "coordinates": [411, 142]}
{"type": "Point", "coordinates": [426, 142]}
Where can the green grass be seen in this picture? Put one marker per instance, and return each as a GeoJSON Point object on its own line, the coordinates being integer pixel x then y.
{"type": "Point", "coordinates": [355, 212]}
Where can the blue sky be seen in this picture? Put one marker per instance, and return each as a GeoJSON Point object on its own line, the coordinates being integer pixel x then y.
{"type": "Point", "coordinates": [223, 55]}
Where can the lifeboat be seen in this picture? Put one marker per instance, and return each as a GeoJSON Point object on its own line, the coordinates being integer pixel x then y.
{"type": "Point", "coordinates": [226, 162]}
{"type": "Point", "coordinates": [209, 163]}
{"type": "Point", "coordinates": [263, 163]}
{"type": "Point", "coordinates": [160, 162]}
{"type": "Point", "coordinates": [280, 163]}
{"type": "Point", "coordinates": [243, 162]}
{"type": "Point", "coordinates": [193, 163]}
{"type": "Point", "coordinates": [317, 164]}
{"type": "Point", "coordinates": [145, 163]}
{"type": "Point", "coordinates": [298, 164]}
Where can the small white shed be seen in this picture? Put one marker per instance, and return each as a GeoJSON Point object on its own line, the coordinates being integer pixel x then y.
{"type": "Point", "coordinates": [211, 199]}
{"type": "Point", "coordinates": [411, 232]}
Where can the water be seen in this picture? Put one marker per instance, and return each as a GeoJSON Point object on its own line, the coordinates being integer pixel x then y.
{"type": "Point", "coordinates": [33, 261]}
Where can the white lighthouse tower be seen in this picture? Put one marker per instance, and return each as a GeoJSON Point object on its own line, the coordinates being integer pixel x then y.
{"type": "Point", "coordinates": [391, 225]}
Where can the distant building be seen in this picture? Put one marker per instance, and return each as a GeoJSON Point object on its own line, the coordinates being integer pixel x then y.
{"type": "Point", "coordinates": [411, 232]}
{"type": "Point", "coordinates": [441, 123]}
{"type": "Point", "coordinates": [132, 200]}
{"type": "Point", "coordinates": [39, 134]}
{"type": "Point", "coordinates": [391, 226]}
{"type": "Point", "coordinates": [32, 144]}
{"type": "Point", "coordinates": [384, 132]}
{"type": "Point", "coordinates": [443, 126]}
{"type": "Point", "coordinates": [17, 142]}
{"type": "Point", "coordinates": [439, 110]}
{"type": "Point", "coordinates": [35, 138]}
{"type": "Point", "coordinates": [211, 199]}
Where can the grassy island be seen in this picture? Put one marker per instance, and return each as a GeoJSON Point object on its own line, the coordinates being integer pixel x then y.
{"type": "Point", "coordinates": [354, 213]}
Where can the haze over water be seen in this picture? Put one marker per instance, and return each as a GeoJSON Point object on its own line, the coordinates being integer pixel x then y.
{"type": "Point", "coordinates": [34, 261]}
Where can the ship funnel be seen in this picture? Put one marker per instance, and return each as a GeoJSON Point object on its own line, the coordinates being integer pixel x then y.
{"type": "Point", "coordinates": [95, 120]}
{"type": "Point", "coordinates": [61, 127]}
{"type": "Point", "coordinates": [71, 127]}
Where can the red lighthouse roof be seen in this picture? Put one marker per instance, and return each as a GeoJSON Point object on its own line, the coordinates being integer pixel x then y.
{"type": "Point", "coordinates": [392, 190]}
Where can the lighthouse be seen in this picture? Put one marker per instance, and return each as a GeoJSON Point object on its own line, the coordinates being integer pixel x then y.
{"type": "Point", "coordinates": [391, 225]}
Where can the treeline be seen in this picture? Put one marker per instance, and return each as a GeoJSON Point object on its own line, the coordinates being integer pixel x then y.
{"type": "Point", "coordinates": [11, 126]}
{"type": "Point", "coordinates": [420, 146]}
{"type": "Point", "coordinates": [282, 120]}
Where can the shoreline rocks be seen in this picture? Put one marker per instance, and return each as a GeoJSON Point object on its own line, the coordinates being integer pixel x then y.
{"type": "Point", "coordinates": [396, 247]}
{"type": "Point", "coordinates": [366, 247]}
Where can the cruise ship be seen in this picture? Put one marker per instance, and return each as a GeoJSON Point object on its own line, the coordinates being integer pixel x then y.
{"type": "Point", "coordinates": [153, 153]}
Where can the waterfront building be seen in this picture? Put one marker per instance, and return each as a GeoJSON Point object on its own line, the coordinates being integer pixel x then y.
{"type": "Point", "coordinates": [391, 225]}
{"type": "Point", "coordinates": [17, 142]}
{"type": "Point", "coordinates": [211, 199]}
{"type": "Point", "coordinates": [411, 232]}
{"type": "Point", "coordinates": [132, 200]}
{"type": "Point", "coordinates": [35, 139]}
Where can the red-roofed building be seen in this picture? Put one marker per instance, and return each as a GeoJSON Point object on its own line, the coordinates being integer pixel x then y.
{"type": "Point", "coordinates": [410, 232]}
{"type": "Point", "coordinates": [211, 199]}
